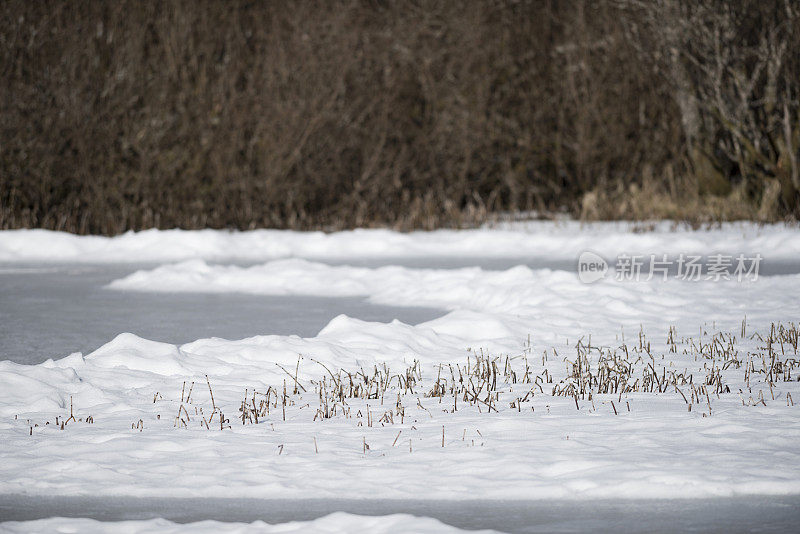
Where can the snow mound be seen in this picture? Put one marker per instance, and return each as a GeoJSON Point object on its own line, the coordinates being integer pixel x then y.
{"type": "Point", "coordinates": [486, 304]}
{"type": "Point", "coordinates": [554, 240]}
{"type": "Point", "coordinates": [336, 523]}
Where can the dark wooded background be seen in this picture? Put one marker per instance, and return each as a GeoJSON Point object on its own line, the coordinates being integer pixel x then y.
{"type": "Point", "coordinates": [134, 114]}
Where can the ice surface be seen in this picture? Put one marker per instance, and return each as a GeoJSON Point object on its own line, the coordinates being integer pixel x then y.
{"type": "Point", "coordinates": [49, 312]}
{"type": "Point", "coordinates": [612, 516]}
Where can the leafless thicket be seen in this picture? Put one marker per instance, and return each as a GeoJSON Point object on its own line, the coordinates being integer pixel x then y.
{"type": "Point", "coordinates": [128, 115]}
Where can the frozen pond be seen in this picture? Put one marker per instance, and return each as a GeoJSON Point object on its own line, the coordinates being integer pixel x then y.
{"type": "Point", "coordinates": [52, 311]}
{"type": "Point", "coordinates": [723, 515]}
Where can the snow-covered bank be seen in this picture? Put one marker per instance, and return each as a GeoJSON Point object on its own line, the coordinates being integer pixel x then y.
{"type": "Point", "coordinates": [564, 240]}
{"type": "Point", "coordinates": [532, 386]}
{"type": "Point", "coordinates": [645, 445]}
{"type": "Point", "coordinates": [145, 438]}
{"type": "Point", "coordinates": [491, 304]}
{"type": "Point", "coordinates": [332, 524]}
{"type": "Point", "coordinates": [495, 309]}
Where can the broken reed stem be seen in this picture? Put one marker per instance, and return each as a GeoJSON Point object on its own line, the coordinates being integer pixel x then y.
{"type": "Point", "coordinates": [213, 404]}
{"type": "Point", "coordinates": [296, 373]}
{"type": "Point", "coordinates": [71, 417]}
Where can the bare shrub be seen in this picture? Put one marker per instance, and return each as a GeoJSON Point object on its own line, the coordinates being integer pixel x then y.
{"type": "Point", "coordinates": [130, 115]}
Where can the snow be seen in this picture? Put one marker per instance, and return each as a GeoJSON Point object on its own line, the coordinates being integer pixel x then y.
{"type": "Point", "coordinates": [495, 309]}
{"type": "Point", "coordinates": [564, 239]}
{"type": "Point", "coordinates": [646, 445]}
{"type": "Point", "coordinates": [544, 297]}
{"type": "Point", "coordinates": [331, 524]}
{"type": "Point", "coordinates": [656, 450]}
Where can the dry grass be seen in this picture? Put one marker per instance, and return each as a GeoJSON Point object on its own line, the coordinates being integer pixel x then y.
{"type": "Point", "coordinates": [652, 201]}
{"type": "Point", "coordinates": [610, 380]}
{"type": "Point", "coordinates": [486, 384]}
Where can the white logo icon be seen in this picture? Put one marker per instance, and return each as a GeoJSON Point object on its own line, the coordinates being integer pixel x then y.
{"type": "Point", "coordinates": [591, 267]}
